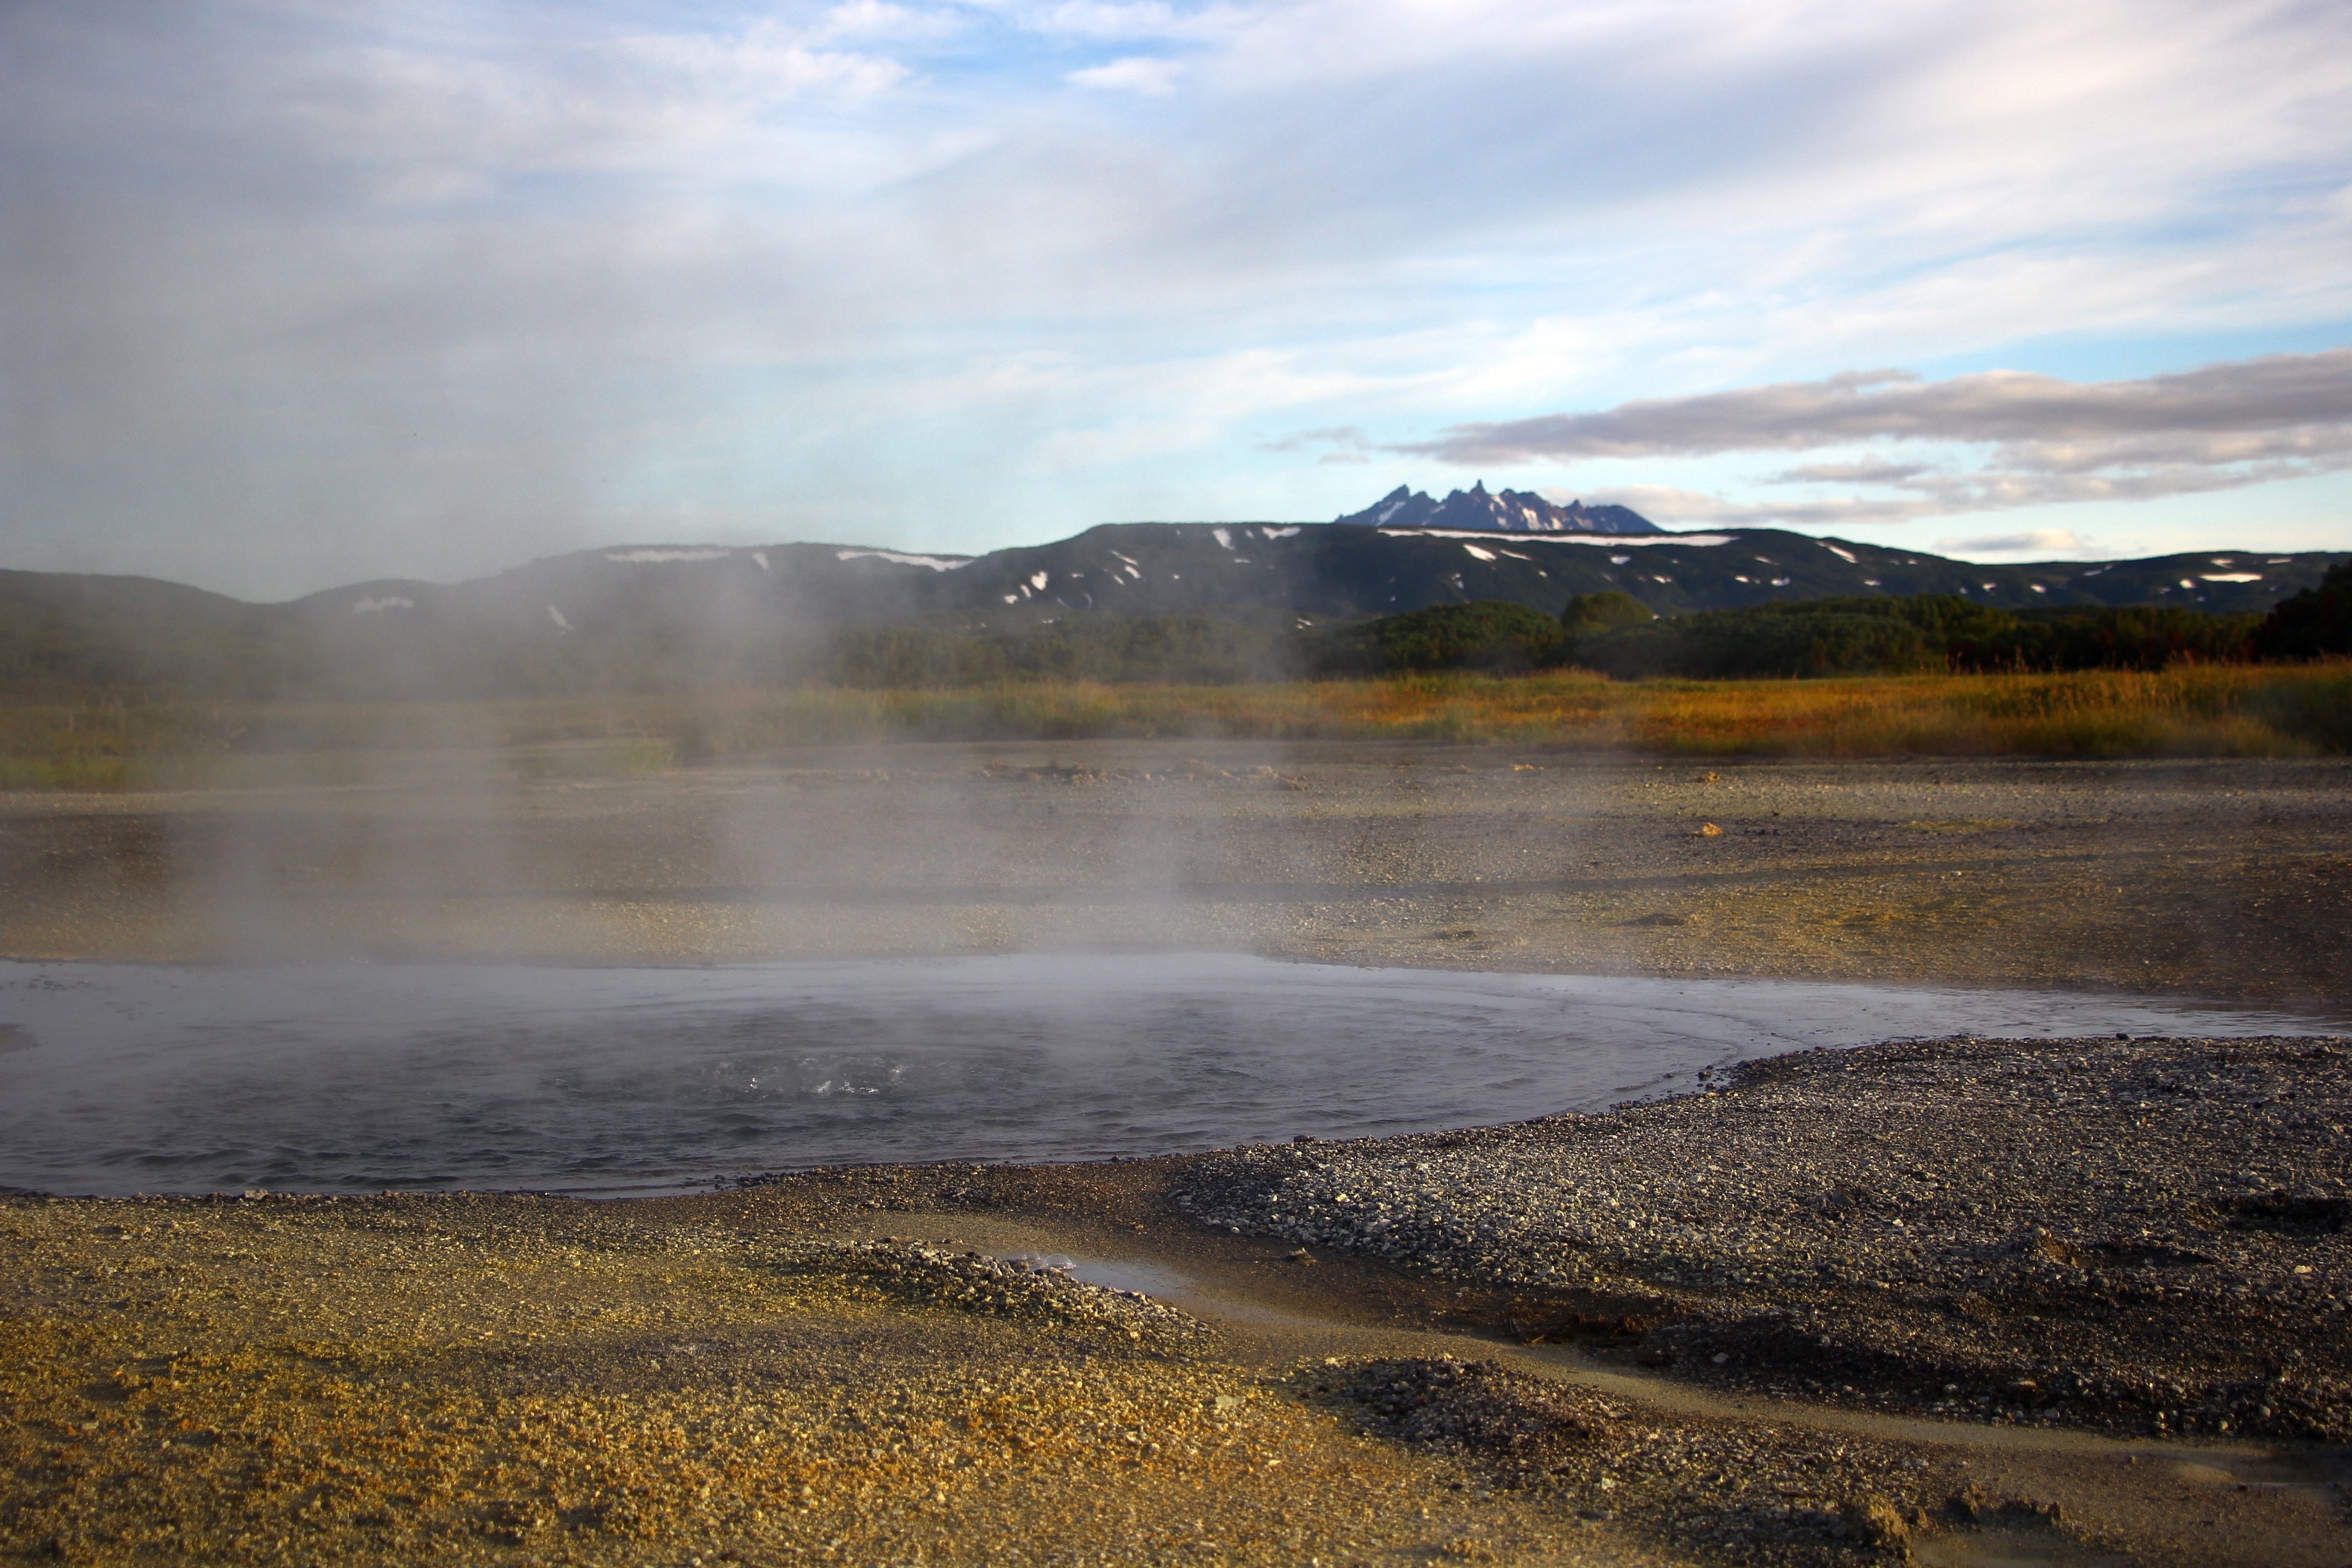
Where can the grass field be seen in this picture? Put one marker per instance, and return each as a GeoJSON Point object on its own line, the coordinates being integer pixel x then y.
{"type": "Point", "coordinates": [2192, 711]}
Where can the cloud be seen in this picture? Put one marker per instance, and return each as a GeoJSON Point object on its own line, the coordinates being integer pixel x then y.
{"type": "Point", "coordinates": [766, 62]}
{"type": "Point", "coordinates": [1347, 435]}
{"type": "Point", "coordinates": [1675, 504]}
{"type": "Point", "coordinates": [2279, 406]}
{"type": "Point", "coordinates": [1146, 19]}
{"type": "Point", "coordinates": [1137, 73]}
{"type": "Point", "coordinates": [2041, 541]}
{"type": "Point", "coordinates": [1850, 473]}
{"type": "Point", "coordinates": [2221, 427]}
{"type": "Point", "coordinates": [880, 19]}
{"type": "Point", "coordinates": [312, 290]}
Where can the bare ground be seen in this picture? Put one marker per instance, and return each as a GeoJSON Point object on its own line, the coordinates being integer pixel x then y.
{"type": "Point", "coordinates": [2209, 878]}
{"type": "Point", "coordinates": [517, 1379]}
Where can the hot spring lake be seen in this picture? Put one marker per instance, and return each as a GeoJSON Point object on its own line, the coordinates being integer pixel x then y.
{"type": "Point", "coordinates": [118, 1079]}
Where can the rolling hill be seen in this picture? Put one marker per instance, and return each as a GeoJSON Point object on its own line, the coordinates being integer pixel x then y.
{"type": "Point", "coordinates": [662, 614]}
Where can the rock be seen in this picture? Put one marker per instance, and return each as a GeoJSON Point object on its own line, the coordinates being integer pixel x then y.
{"type": "Point", "coordinates": [1875, 1521]}
{"type": "Point", "coordinates": [2039, 1243]}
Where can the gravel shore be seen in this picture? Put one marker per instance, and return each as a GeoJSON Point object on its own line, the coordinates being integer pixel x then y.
{"type": "Point", "coordinates": [1852, 1310]}
{"type": "Point", "coordinates": [2139, 1235]}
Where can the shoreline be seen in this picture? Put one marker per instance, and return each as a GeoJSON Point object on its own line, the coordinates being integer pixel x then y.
{"type": "Point", "coordinates": [631, 1083]}
{"type": "Point", "coordinates": [1627, 1411]}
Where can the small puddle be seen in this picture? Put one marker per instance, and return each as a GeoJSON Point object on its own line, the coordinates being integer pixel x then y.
{"type": "Point", "coordinates": [2008, 1547]}
{"type": "Point", "coordinates": [1132, 1274]}
{"type": "Point", "coordinates": [1273, 1318]}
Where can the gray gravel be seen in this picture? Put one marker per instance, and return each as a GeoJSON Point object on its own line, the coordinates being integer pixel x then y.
{"type": "Point", "coordinates": [2151, 1234]}
{"type": "Point", "coordinates": [1736, 1490]}
{"type": "Point", "coordinates": [1037, 1290]}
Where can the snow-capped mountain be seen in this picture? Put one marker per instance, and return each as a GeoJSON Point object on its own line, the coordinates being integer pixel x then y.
{"type": "Point", "coordinates": [1512, 511]}
{"type": "Point", "coordinates": [671, 617]}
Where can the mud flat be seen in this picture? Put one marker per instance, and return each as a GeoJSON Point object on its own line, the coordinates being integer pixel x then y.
{"type": "Point", "coordinates": [2228, 880]}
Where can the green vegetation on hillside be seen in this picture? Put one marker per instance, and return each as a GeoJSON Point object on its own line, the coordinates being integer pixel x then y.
{"type": "Point", "coordinates": [1154, 603]}
{"type": "Point", "coordinates": [1912, 634]}
{"type": "Point", "coordinates": [1486, 634]}
{"type": "Point", "coordinates": [1591, 615]}
{"type": "Point", "coordinates": [2314, 624]}
{"type": "Point", "coordinates": [1817, 637]}
{"type": "Point", "coordinates": [1191, 649]}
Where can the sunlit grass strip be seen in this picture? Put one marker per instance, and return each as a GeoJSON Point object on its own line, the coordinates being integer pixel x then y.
{"type": "Point", "coordinates": [2234, 710]}
{"type": "Point", "coordinates": [1441, 708]}
{"type": "Point", "coordinates": [2211, 710]}
{"type": "Point", "coordinates": [2228, 710]}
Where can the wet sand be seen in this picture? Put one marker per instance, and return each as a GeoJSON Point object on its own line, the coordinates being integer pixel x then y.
{"type": "Point", "coordinates": [529, 1380]}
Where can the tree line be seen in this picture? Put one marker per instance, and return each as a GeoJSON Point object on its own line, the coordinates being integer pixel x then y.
{"type": "Point", "coordinates": [50, 658]}
{"type": "Point", "coordinates": [1615, 634]}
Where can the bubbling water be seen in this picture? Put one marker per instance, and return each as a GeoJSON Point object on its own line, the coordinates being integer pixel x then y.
{"type": "Point", "coordinates": [364, 1076]}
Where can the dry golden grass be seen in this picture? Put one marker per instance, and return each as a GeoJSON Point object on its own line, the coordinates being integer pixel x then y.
{"type": "Point", "coordinates": [2202, 711]}
{"type": "Point", "coordinates": [2193, 710]}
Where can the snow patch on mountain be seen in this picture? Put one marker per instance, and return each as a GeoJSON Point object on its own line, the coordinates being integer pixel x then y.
{"type": "Point", "coordinates": [654, 555]}
{"type": "Point", "coordinates": [1609, 540]}
{"type": "Point", "coordinates": [936, 563]}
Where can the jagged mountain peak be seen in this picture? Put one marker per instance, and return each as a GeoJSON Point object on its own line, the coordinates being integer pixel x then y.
{"type": "Point", "coordinates": [1508, 511]}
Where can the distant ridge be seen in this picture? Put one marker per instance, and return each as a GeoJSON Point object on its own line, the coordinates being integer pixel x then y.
{"type": "Point", "coordinates": [1512, 511]}
{"type": "Point", "coordinates": [665, 615]}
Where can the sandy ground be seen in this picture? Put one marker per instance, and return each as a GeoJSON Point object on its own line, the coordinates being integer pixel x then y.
{"type": "Point", "coordinates": [2219, 878]}
{"type": "Point", "coordinates": [529, 1380]}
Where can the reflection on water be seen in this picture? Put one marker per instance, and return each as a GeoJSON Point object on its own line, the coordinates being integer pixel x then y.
{"type": "Point", "coordinates": [360, 1077]}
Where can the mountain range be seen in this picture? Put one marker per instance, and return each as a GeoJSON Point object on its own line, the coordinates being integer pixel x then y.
{"type": "Point", "coordinates": [1512, 511]}
{"type": "Point", "coordinates": [672, 613]}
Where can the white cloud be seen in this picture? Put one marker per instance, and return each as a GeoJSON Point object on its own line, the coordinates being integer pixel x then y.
{"type": "Point", "coordinates": [1670, 503]}
{"type": "Point", "coordinates": [879, 19]}
{"type": "Point", "coordinates": [1135, 73]}
{"type": "Point", "coordinates": [1144, 19]}
{"type": "Point", "coordinates": [763, 63]}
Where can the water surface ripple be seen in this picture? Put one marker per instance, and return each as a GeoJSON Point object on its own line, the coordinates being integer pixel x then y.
{"type": "Point", "coordinates": [134, 1078]}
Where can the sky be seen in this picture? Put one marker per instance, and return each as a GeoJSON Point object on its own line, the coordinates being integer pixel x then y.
{"type": "Point", "coordinates": [296, 293]}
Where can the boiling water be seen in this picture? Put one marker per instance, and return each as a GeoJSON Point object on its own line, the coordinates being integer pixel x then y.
{"type": "Point", "coordinates": [118, 1079]}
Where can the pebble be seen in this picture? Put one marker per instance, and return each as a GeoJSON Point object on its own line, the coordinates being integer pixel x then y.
{"type": "Point", "coordinates": [2145, 1235]}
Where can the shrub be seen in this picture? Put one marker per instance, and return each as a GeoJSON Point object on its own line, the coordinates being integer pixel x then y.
{"type": "Point", "coordinates": [1588, 615]}
{"type": "Point", "coordinates": [2313, 624]}
{"type": "Point", "coordinates": [1898, 635]}
{"type": "Point", "coordinates": [1484, 634]}
{"type": "Point", "coordinates": [1182, 649]}
{"type": "Point", "coordinates": [2134, 637]}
